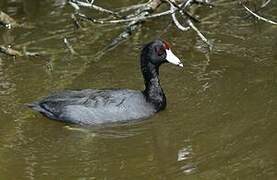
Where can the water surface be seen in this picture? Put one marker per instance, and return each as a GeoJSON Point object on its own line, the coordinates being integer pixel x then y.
{"type": "Point", "coordinates": [220, 122]}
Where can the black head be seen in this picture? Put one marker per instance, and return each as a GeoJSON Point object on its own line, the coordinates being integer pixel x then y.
{"type": "Point", "coordinates": [158, 52]}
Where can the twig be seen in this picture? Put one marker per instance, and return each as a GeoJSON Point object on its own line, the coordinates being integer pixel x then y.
{"type": "Point", "coordinates": [116, 21]}
{"type": "Point", "coordinates": [132, 27]}
{"type": "Point", "coordinates": [181, 9]}
{"type": "Point", "coordinates": [178, 24]}
{"type": "Point", "coordinates": [142, 13]}
{"type": "Point", "coordinates": [12, 52]}
{"type": "Point", "coordinates": [69, 46]}
{"type": "Point", "coordinates": [140, 17]}
{"type": "Point", "coordinates": [30, 54]}
{"type": "Point", "coordinates": [186, 4]}
{"type": "Point", "coordinates": [205, 2]}
{"type": "Point", "coordinates": [134, 24]}
{"type": "Point", "coordinates": [77, 4]}
{"type": "Point", "coordinates": [265, 4]}
{"type": "Point", "coordinates": [259, 17]}
{"type": "Point", "coordinates": [9, 51]}
{"type": "Point", "coordinates": [74, 5]}
{"type": "Point", "coordinates": [98, 8]}
{"type": "Point", "coordinates": [199, 33]}
{"type": "Point", "coordinates": [75, 20]}
{"type": "Point", "coordinates": [191, 25]}
{"type": "Point", "coordinates": [84, 4]}
{"type": "Point", "coordinates": [175, 20]}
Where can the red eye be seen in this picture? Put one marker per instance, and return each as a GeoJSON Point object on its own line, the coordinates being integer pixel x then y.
{"type": "Point", "coordinates": [160, 51]}
{"type": "Point", "coordinates": [166, 45]}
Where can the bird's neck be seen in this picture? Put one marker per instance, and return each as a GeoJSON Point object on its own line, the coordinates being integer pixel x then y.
{"type": "Point", "coordinates": [153, 90]}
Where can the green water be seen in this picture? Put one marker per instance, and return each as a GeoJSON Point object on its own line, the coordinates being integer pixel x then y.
{"type": "Point", "coordinates": [220, 122]}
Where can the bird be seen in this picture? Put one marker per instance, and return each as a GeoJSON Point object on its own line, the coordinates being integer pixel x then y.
{"type": "Point", "coordinates": [101, 106]}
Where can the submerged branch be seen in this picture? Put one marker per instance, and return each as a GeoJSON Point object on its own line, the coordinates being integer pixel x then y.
{"type": "Point", "coordinates": [69, 46]}
{"type": "Point", "coordinates": [75, 21]}
{"type": "Point", "coordinates": [15, 53]}
{"type": "Point", "coordinates": [9, 51]}
{"type": "Point", "coordinates": [204, 39]}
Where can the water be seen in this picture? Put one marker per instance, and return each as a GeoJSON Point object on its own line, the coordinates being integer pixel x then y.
{"type": "Point", "coordinates": [220, 122]}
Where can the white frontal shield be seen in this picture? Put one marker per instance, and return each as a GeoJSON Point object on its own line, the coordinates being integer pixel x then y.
{"type": "Point", "coordinates": [171, 58]}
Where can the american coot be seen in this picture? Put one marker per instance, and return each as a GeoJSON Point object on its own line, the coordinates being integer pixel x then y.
{"type": "Point", "coordinates": [91, 106]}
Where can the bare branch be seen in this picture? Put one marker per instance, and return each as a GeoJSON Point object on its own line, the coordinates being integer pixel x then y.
{"type": "Point", "coordinates": [15, 53]}
{"type": "Point", "coordinates": [30, 54]}
{"type": "Point", "coordinates": [175, 20]}
{"type": "Point", "coordinates": [265, 4]}
{"type": "Point", "coordinates": [69, 46]}
{"type": "Point", "coordinates": [74, 5]}
{"type": "Point", "coordinates": [181, 9]}
{"type": "Point", "coordinates": [199, 33]}
{"type": "Point", "coordinates": [205, 2]}
{"type": "Point", "coordinates": [137, 19]}
{"type": "Point", "coordinates": [258, 16]}
{"type": "Point", "coordinates": [9, 51]}
{"type": "Point", "coordinates": [116, 21]}
{"type": "Point", "coordinates": [186, 4]}
{"type": "Point", "coordinates": [178, 24]}
{"type": "Point", "coordinates": [75, 20]}
{"type": "Point", "coordinates": [140, 13]}
{"type": "Point", "coordinates": [191, 25]}
{"type": "Point", "coordinates": [77, 4]}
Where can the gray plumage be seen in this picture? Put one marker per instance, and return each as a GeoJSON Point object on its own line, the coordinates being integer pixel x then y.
{"type": "Point", "coordinates": [95, 106]}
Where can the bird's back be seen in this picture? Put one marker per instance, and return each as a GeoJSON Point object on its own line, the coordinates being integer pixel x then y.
{"type": "Point", "coordinates": [95, 106]}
